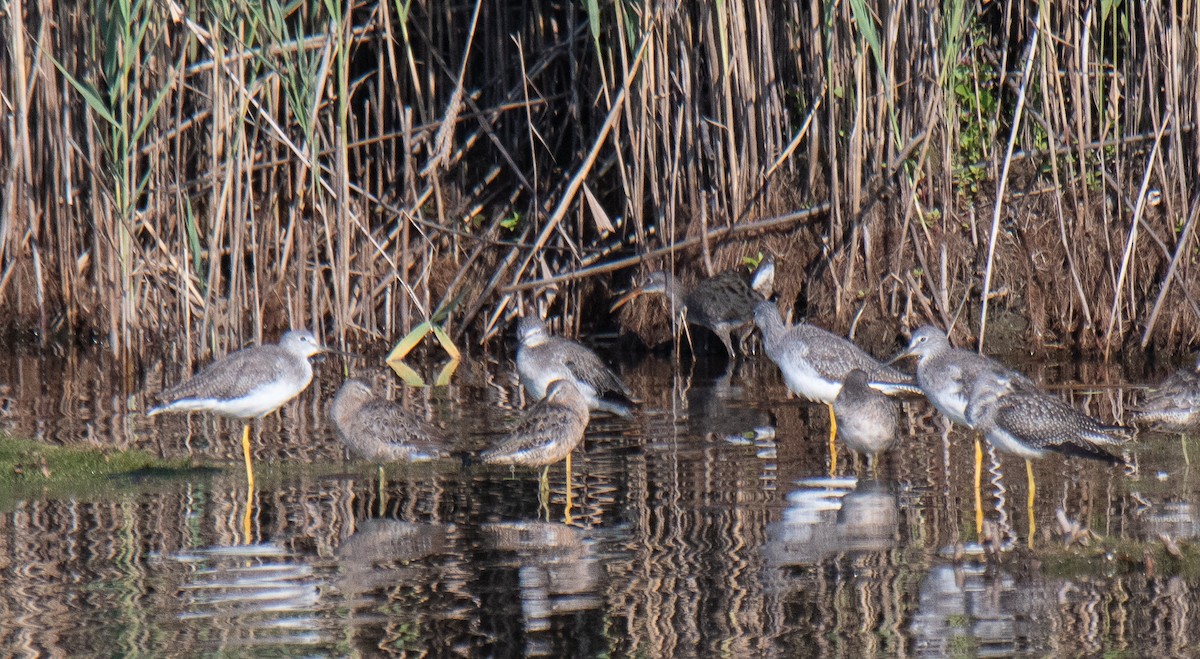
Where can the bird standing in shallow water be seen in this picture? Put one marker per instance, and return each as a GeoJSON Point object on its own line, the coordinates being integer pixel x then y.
{"type": "Point", "coordinates": [815, 362]}
{"type": "Point", "coordinates": [543, 359]}
{"type": "Point", "coordinates": [723, 303]}
{"type": "Point", "coordinates": [1175, 403]}
{"type": "Point", "coordinates": [1005, 407]}
{"type": "Point", "coordinates": [866, 418]}
{"type": "Point", "coordinates": [946, 374]}
{"type": "Point", "coordinates": [1029, 423]}
{"type": "Point", "coordinates": [546, 433]}
{"type": "Point", "coordinates": [380, 430]}
{"type": "Point", "coordinates": [1002, 404]}
{"type": "Point", "coordinates": [247, 384]}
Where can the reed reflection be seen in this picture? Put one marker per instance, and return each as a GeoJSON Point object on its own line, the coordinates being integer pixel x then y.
{"type": "Point", "coordinates": [681, 545]}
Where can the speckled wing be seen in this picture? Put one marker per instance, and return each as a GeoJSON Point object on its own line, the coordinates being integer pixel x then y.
{"type": "Point", "coordinates": [235, 375]}
{"type": "Point", "coordinates": [589, 369]}
{"type": "Point", "coordinates": [545, 434]}
{"type": "Point", "coordinates": [834, 356]}
{"type": "Point", "coordinates": [1174, 404]}
{"type": "Point", "coordinates": [391, 423]}
{"type": "Point", "coordinates": [724, 299]}
{"type": "Point", "coordinates": [952, 379]}
{"type": "Point", "coordinates": [1045, 422]}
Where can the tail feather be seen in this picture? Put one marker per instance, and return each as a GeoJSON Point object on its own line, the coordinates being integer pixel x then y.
{"type": "Point", "coordinates": [621, 406]}
{"type": "Point", "coordinates": [1090, 451]}
{"type": "Point", "coordinates": [896, 388]}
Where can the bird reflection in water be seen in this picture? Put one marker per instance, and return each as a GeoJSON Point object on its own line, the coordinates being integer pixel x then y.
{"type": "Point", "coordinates": [239, 591]}
{"type": "Point", "coordinates": [557, 571]}
{"type": "Point", "coordinates": [828, 516]}
{"type": "Point", "coordinates": [1168, 521]}
{"type": "Point", "coordinates": [381, 553]}
{"type": "Point", "coordinates": [993, 612]}
{"type": "Point", "coordinates": [719, 410]}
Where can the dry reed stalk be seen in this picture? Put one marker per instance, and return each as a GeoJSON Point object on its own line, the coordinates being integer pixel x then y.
{"type": "Point", "coordinates": [1054, 104]}
{"type": "Point", "coordinates": [1131, 243]}
{"type": "Point", "coordinates": [360, 170]}
{"type": "Point", "coordinates": [1030, 54]}
{"type": "Point", "coordinates": [1171, 274]}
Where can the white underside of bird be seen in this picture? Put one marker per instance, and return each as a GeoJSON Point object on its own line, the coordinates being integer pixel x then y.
{"type": "Point", "coordinates": [259, 402]}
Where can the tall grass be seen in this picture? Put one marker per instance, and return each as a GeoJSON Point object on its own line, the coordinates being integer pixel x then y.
{"type": "Point", "coordinates": [229, 169]}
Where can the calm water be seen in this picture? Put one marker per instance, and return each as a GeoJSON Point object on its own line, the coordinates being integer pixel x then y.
{"type": "Point", "coordinates": [707, 525]}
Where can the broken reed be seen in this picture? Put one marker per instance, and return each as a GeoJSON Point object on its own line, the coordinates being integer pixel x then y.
{"type": "Point", "coordinates": [231, 169]}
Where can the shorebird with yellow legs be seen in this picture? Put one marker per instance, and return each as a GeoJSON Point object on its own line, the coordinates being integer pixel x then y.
{"type": "Point", "coordinates": [1030, 423]}
{"type": "Point", "coordinates": [247, 384]}
{"type": "Point", "coordinates": [1005, 407]}
{"type": "Point", "coordinates": [543, 359]}
{"type": "Point", "coordinates": [380, 430]}
{"type": "Point", "coordinates": [815, 363]}
{"type": "Point", "coordinates": [545, 434]}
{"type": "Point", "coordinates": [946, 375]}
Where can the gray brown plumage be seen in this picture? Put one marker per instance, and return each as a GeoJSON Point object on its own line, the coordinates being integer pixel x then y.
{"type": "Point", "coordinates": [724, 303]}
{"type": "Point", "coordinates": [866, 418]}
{"type": "Point", "coordinates": [542, 539]}
{"type": "Point", "coordinates": [543, 358]}
{"type": "Point", "coordinates": [1175, 403]}
{"type": "Point", "coordinates": [1028, 423]}
{"type": "Point", "coordinates": [380, 430]}
{"type": "Point", "coordinates": [814, 362]}
{"type": "Point", "coordinates": [383, 552]}
{"type": "Point", "coordinates": [547, 432]}
{"type": "Point", "coordinates": [249, 383]}
{"type": "Point", "coordinates": [382, 541]}
{"type": "Point", "coordinates": [946, 375]}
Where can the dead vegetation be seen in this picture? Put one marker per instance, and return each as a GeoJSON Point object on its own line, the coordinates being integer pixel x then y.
{"type": "Point", "coordinates": [228, 170]}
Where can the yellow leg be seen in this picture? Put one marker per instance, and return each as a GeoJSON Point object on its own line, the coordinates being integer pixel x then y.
{"type": "Point", "coordinates": [249, 460]}
{"type": "Point", "coordinates": [567, 512]}
{"type": "Point", "coordinates": [1032, 494]}
{"type": "Point", "coordinates": [978, 488]}
{"type": "Point", "coordinates": [832, 443]}
{"type": "Point", "coordinates": [248, 516]}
